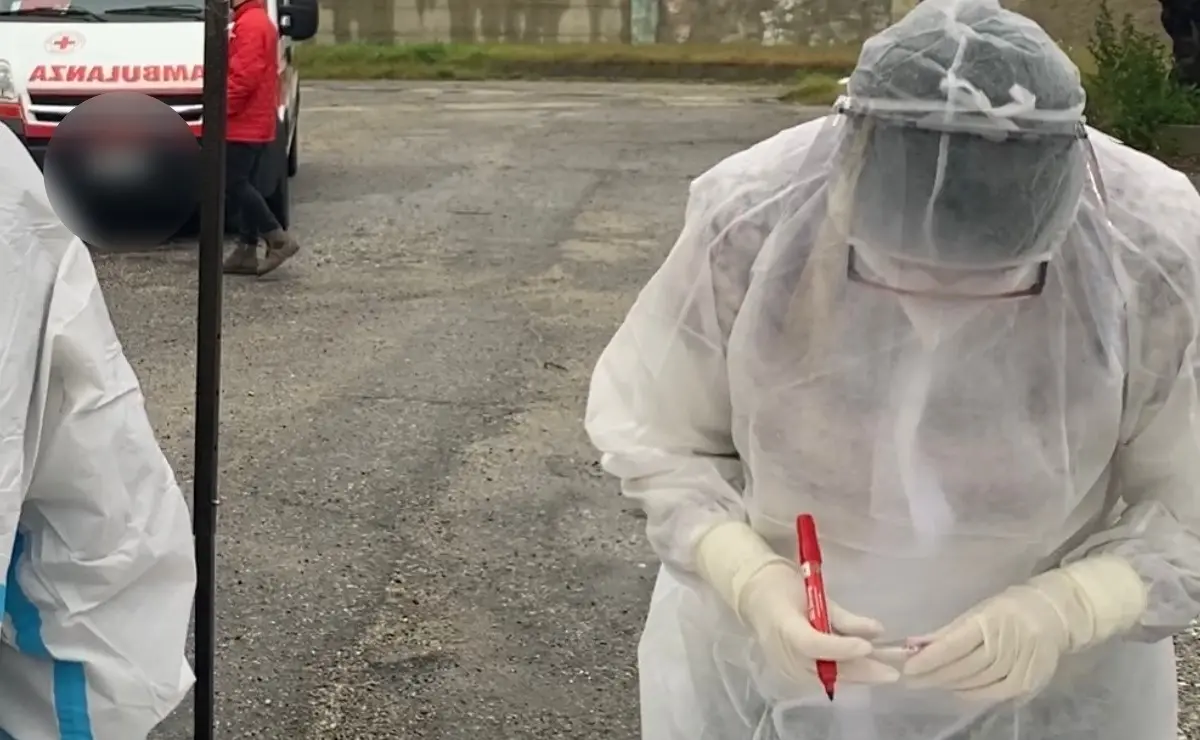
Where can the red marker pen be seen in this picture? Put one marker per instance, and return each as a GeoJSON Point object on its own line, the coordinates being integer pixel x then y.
{"type": "Point", "coordinates": [814, 587]}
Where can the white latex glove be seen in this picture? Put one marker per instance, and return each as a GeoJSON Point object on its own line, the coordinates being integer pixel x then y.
{"type": "Point", "coordinates": [1008, 647]}
{"type": "Point", "coordinates": [766, 591]}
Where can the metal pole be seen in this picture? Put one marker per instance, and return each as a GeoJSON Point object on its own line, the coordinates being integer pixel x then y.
{"type": "Point", "coordinates": [205, 493]}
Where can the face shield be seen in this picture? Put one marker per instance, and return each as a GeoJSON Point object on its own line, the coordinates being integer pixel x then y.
{"type": "Point", "coordinates": [958, 212]}
{"type": "Point", "coordinates": [963, 155]}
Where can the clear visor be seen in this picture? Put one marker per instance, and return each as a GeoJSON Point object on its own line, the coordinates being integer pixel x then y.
{"type": "Point", "coordinates": [962, 198]}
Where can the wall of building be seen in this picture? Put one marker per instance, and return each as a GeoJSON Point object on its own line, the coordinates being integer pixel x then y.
{"type": "Point", "coordinates": [678, 21]}
{"type": "Point", "coordinates": [528, 21]}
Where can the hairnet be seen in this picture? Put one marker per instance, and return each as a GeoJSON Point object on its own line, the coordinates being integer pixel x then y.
{"type": "Point", "coordinates": [965, 145]}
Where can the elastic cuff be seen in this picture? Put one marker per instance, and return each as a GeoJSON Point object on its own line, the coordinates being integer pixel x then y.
{"type": "Point", "coordinates": [729, 555]}
{"type": "Point", "coordinates": [1118, 596]}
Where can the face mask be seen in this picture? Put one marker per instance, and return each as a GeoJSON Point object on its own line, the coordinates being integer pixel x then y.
{"type": "Point", "coordinates": [880, 270]}
{"type": "Point", "coordinates": [939, 301]}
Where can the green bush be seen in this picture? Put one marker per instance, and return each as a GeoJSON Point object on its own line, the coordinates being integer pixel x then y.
{"type": "Point", "coordinates": [1132, 92]}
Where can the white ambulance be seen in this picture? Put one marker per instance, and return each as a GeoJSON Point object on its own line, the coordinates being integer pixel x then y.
{"type": "Point", "coordinates": [55, 54]}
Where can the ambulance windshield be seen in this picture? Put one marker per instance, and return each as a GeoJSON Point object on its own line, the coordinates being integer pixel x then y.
{"type": "Point", "coordinates": [93, 11]}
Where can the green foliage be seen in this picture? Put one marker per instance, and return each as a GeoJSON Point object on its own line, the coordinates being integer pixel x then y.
{"type": "Point", "coordinates": [1132, 93]}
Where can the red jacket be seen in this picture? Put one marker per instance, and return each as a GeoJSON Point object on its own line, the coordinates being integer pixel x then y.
{"type": "Point", "coordinates": [253, 75]}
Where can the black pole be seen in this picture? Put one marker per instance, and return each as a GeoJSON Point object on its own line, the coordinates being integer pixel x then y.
{"type": "Point", "coordinates": [205, 492]}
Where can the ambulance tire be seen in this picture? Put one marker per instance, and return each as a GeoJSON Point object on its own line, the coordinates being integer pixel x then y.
{"type": "Point", "coordinates": [280, 201]}
{"type": "Point", "coordinates": [293, 165]}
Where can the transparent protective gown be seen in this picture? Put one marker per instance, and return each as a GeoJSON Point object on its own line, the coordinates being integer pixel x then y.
{"type": "Point", "coordinates": [95, 538]}
{"type": "Point", "coordinates": [948, 448]}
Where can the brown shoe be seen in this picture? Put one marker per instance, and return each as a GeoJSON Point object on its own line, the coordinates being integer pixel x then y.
{"type": "Point", "coordinates": [243, 260]}
{"type": "Point", "coordinates": [281, 246]}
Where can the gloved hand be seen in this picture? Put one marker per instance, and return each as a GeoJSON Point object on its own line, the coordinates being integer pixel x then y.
{"type": "Point", "coordinates": [1008, 647]}
{"type": "Point", "coordinates": [767, 593]}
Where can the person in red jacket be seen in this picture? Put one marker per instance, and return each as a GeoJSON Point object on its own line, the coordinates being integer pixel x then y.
{"type": "Point", "coordinates": [253, 101]}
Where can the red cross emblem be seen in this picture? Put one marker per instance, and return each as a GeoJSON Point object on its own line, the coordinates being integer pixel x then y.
{"type": "Point", "coordinates": [63, 42]}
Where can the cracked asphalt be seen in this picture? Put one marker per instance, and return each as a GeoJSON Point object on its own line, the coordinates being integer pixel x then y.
{"type": "Point", "coordinates": [416, 540]}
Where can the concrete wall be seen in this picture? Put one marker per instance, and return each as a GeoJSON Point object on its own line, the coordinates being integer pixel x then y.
{"type": "Point", "coordinates": [1070, 21]}
{"type": "Point", "coordinates": [815, 22]}
{"type": "Point", "coordinates": [531, 21]}
{"type": "Point", "coordinates": [679, 21]}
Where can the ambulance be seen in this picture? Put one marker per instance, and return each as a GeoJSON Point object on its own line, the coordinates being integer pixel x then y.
{"type": "Point", "coordinates": [55, 54]}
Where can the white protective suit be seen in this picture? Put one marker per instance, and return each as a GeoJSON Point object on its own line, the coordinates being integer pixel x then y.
{"type": "Point", "coordinates": [947, 449]}
{"type": "Point", "coordinates": [95, 536]}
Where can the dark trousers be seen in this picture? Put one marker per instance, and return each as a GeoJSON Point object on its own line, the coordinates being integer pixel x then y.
{"type": "Point", "coordinates": [244, 204]}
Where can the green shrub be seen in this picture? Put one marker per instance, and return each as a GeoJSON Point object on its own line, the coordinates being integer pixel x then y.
{"type": "Point", "coordinates": [1132, 92]}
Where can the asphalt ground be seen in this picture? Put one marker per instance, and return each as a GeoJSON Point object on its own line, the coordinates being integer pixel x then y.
{"type": "Point", "coordinates": [416, 540]}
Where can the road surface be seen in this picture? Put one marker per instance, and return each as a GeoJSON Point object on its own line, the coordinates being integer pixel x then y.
{"type": "Point", "coordinates": [416, 539]}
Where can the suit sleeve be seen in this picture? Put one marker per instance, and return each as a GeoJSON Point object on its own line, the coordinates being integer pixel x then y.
{"type": "Point", "coordinates": [26, 290]}
{"type": "Point", "coordinates": [659, 406]}
{"type": "Point", "coordinates": [1156, 468]}
{"type": "Point", "coordinates": [109, 570]}
{"type": "Point", "coordinates": [98, 595]}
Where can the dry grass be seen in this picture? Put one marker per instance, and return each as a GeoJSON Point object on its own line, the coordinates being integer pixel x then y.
{"type": "Point", "coordinates": [725, 62]}
{"type": "Point", "coordinates": [814, 89]}
{"type": "Point", "coordinates": [812, 74]}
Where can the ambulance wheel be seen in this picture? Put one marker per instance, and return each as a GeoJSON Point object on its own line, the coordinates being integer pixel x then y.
{"type": "Point", "coordinates": [293, 165]}
{"type": "Point", "coordinates": [280, 202]}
